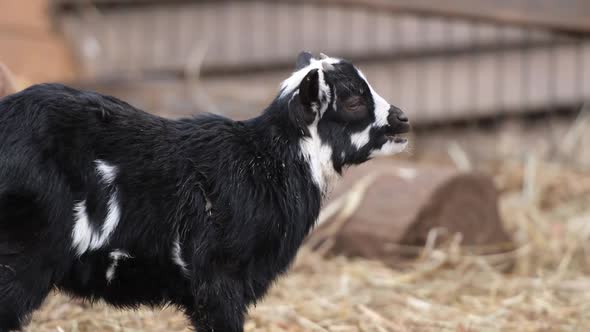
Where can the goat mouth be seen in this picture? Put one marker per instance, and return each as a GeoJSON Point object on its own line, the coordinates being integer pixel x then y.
{"type": "Point", "coordinates": [396, 135]}
{"type": "Point", "coordinates": [395, 138]}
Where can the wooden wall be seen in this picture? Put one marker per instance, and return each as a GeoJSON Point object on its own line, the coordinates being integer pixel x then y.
{"type": "Point", "coordinates": [28, 44]}
{"type": "Point", "coordinates": [238, 35]}
{"type": "Point", "coordinates": [436, 68]}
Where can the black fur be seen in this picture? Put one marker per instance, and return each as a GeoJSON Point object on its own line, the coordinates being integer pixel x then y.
{"type": "Point", "coordinates": [263, 201]}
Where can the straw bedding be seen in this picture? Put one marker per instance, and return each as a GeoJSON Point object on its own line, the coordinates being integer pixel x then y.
{"type": "Point", "coordinates": [541, 285]}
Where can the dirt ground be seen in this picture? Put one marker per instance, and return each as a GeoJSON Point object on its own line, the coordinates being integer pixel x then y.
{"type": "Point", "coordinates": [542, 285]}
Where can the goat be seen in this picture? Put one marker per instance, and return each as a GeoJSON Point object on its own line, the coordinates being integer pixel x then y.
{"type": "Point", "coordinates": [106, 202]}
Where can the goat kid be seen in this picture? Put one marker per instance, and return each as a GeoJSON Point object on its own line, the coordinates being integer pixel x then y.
{"type": "Point", "coordinates": [104, 201]}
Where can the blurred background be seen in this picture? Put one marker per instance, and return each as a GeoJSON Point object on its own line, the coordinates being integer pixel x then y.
{"type": "Point", "coordinates": [483, 225]}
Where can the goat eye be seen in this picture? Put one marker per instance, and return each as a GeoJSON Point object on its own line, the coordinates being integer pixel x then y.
{"type": "Point", "coordinates": [356, 108]}
{"type": "Point", "coordinates": [355, 105]}
{"type": "Point", "coordinates": [354, 102]}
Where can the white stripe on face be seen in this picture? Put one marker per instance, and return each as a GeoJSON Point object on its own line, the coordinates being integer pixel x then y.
{"type": "Point", "coordinates": [317, 154]}
{"type": "Point", "coordinates": [360, 139]}
{"type": "Point", "coordinates": [292, 83]}
{"type": "Point", "coordinates": [381, 105]}
{"type": "Point", "coordinates": [381, 113]}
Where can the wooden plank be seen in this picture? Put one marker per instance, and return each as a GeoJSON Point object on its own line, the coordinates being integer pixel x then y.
{"type": "Point", "coordinates": [485, 81]}
{"type": "Point", "coordinates": [511, 78]}
{"type": "Point", "coordinates": [434, 95]}
{"type": "Point", "coordinates": [563, 15]}
{"type": "Point", "coordinates": [569, 16]}
{"type": "Point", "coordinates": [346, 31]}
{"type": "Point", "coordinates": [384, 32]}
{"type": "Point", "coordinates": [566, 74]}
{"type": "Point", "coordinates": [460, 81]}
{"type": "Point", "coordinates": [541, 81]}
{"type": "Point", "coordinates": [407, 74]}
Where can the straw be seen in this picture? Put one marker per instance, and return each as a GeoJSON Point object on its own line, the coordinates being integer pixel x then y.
{"type": "Point", "coordinates": [448, 288]}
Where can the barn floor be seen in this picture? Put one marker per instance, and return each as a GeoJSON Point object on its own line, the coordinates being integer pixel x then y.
{"type": "Point", "coordinates": [447, 289]}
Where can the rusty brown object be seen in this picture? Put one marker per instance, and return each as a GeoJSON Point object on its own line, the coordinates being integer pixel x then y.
{"type": "Point", "coordinates": [399, 204]}
{"type": "Point", "coordinates": [7, 83]}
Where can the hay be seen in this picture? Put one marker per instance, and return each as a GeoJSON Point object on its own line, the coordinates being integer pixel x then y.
{"type": "Point", "coordinates": [453, 288]}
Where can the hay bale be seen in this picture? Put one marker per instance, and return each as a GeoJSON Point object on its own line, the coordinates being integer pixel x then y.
{"type": "Point", "coordinates": [7, 83]}
{"type": "Point", "coordinates": [383, 207]}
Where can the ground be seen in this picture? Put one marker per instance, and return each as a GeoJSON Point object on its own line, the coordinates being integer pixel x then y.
{"type": "Point", "coordinates": [542, 285]}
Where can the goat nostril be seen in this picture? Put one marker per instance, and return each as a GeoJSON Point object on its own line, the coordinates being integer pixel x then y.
{"type": "Point", "coordinates": [396, 115]}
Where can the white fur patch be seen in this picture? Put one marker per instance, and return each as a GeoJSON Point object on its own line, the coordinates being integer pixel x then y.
{"type": "Point", "coordinates": [107, 172]}
{"type": "Point", "coordinates": [389, 149]}
{"type": "Point", "coordinates": [115, 256]}
{"type": "Point", "coordinates": [109, 224]}
{"type": "Point", "coordinates": [208, 205]}
{"type": "Point", "coordinates": [84, 237]}
{"type": "Point", "coordinates": [381, 113]}
{"type": "Point", "coordinates": [381, 105]}
{"type": "Point", "coordinates": [82, 233]}
{"type": "Point", "coordinates": [177, 255]}
{"type": "Point", "coordinates": [292, 83]}
{"type": "Point", "coordinates": [319, 157]}
{"type": "Point", "coordinates": [360, 139]}
{"type": "Point", "coordinates": [381, 109]}
{"type": "Point", "coordinates": [324, 92]}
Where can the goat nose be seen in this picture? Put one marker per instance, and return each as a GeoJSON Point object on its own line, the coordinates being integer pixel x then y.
{"type": "Point", "coordinates": [396, 115]}
{"type": "Point", "coordinates": [402, 117]}
{"type": "Point", "coordinates": [398, 121]}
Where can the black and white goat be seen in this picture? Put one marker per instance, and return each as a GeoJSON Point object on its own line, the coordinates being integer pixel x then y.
{"type": "Point", "coordinates": [103, 201]}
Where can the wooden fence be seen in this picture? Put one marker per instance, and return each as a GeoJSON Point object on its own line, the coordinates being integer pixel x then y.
{"type": "Point", "coordinates": [436, 67]}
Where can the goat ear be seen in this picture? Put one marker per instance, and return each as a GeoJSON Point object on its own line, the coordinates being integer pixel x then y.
{"type": "Point", "coordinates": [301, 116]}
{"type": "Point", "coordinates": [301, 110]}
{"type": "Point", "coordinates": [309, 88]}
{"type": "Point", "coordinates": [303, 60]}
